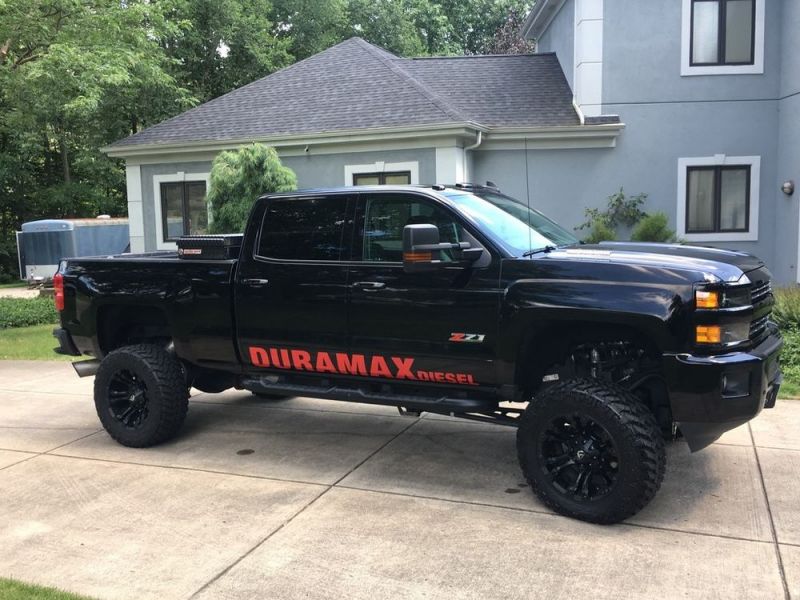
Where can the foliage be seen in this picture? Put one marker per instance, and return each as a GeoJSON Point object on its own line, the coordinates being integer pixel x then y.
{"type": "Point", "coordinates": [600, 232]}
{"type": "Point", "coordinates": [29, 343]}
{"type": "Point", "coordinates": [790, 362]}
{"type": "Point", "coordinates": [786, 312]}
{"type": "Point", "coordinates": [15, 590]}
{"type": "Point", "coordinates": [221, 45]}
{"type": "Point", "coordinates": [238, 177]}
{"type": "Point", "coordinates": [507, 38]}
{"type": "Point", "coordinates": [653, 228]}
{"type": "Point", "coordinates": [21, 312]}
{"type": "Point", "coordinates": [626, 211]}
{"type": "Point", "coordinates": [74, 76]}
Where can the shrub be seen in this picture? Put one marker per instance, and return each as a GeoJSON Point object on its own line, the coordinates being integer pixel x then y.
{"type": "Point", "coordinates": [653, 228]}
{"type": "Point", "coordinates": [621, 210]}
{"type": "Point", "coordinates": [600, 232]}
{"type": "Point", "coordinates": [786, 312]}
{"type": "Point", "coordinates": [21, 312]}
{"type": "Point", "coordinates": [237, 178]}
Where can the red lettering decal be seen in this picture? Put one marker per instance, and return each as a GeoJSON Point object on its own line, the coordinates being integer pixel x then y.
{"type": "Point", "coordinates": [450, 377]}
{"type": "Point", "coordinates": [404, 367]}
{"type": "Point", "coordinates": [259, 357]}
{"type": "Point", "coordinates": [461, 378]}
{"type": "Point", "coordinates": [379, 368]}
{"type": "Point", "coordinates": [438, 376]}
{"type": "Point", "coordinates": [301, 360]}
{"type": "Point", "coordinates": [280, 358]}
{"type": "Point", "coordinates": [324, 363]}
{"type": "Point", "coordinates": [470, 380]}
{"type": "Point", "coordinates": [422, 376]}
{"type": "Point", "coordinates": [351, 365]}
{"type": "Point", "coordinates": [457, 337]}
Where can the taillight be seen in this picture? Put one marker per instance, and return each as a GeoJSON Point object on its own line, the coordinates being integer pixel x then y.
{"type": "Point", "coordinates": [58, 291]}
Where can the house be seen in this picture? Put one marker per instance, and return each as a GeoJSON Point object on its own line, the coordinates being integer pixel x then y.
{"type": "Point", "coordinates": [695, 102]}
{"type": "Point", "coordinates": [356, 114]}
{"type": "Point", "coordinates": [709, 91]}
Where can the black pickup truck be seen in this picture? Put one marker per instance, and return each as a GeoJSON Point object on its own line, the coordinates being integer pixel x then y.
{"type": "Point", "coordinates": [453, 300]}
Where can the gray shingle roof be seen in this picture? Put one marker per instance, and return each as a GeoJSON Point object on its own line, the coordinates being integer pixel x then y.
{"type": "Point", "coordinates": [355, 85]}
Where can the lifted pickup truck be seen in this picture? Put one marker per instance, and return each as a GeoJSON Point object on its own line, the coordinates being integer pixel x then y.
{"type": "Point", "coordinates": [453, 300]}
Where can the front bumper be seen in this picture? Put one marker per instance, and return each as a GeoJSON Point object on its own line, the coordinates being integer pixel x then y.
{"type": "Point", "coordinates": [710, 395]}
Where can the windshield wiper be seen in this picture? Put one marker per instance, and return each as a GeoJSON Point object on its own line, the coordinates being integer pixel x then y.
{"type": "Point", "coordinates": [548, 248]}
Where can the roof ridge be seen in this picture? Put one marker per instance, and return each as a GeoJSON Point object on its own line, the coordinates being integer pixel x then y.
{"type": "Point", "coordinates": [437, 100]}
{"type": "Point", "coordinates": [464, 56]}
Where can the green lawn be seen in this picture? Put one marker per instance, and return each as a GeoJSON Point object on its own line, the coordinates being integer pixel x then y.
{"type": "Point", "coordinates": [13, 284]}
{"type": "Point", "coordinates": [15, 590]}
{"type": "Point", "coordinates": [29, 343]}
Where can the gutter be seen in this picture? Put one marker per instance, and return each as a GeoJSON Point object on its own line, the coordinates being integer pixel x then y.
{"type": "Point", "coordinates": [477, 143]}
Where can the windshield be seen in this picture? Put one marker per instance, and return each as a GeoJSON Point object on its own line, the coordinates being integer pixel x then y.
{"type": "Point", "coordinates": [518, 227]}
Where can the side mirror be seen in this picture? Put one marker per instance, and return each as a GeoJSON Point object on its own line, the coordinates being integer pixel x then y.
{"type": "Point", "coordinates": [421, 249]}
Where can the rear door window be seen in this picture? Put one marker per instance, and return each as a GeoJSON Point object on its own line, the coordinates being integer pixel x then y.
{"type": "Point", "coordinates": [305, 229]}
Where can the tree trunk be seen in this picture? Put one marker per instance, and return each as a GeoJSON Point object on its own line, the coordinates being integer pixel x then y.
{"type": "Point", "coordinates": [62, 147]}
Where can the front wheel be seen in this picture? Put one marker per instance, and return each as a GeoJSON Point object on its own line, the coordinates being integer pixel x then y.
{"type": "Point", "coordinates": [591, 450]}
{"type": "Point", "coordinates": [141, 395]}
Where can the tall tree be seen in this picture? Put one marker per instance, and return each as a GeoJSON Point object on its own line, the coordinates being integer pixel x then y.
{"type": "Point", "coordinates": [74, 76]}
{"type": "Point", "coordinates": [221, 45]}
{"type": "Point", "coordinates": [507, 38]}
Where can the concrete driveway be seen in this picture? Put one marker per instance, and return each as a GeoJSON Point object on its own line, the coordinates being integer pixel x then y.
{"type": "Point", "coordinates": [313, 499]}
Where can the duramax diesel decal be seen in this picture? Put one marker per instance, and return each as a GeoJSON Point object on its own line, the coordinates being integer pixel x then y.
{"type": "Point", "coordinates": [342, 363]}
{"type": "Point", "coordinates": [475, 338]}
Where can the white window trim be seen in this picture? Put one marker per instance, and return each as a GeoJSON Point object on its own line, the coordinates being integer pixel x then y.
{"type": "Point", "coordinates": [171, 178]}
{"type": "Point", "coordinates": [757, 68]}
{"type": "Point", "coordinates": [751, 235]}
{"type": "Point", "coordinates": [382, 167]}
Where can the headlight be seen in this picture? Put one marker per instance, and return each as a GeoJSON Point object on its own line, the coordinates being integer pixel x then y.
{"type": "Point", "coordinates": [722, 335]}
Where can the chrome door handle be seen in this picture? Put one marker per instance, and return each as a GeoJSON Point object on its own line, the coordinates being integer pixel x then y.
{"type": "Point", "coordinates": [255, 282]}
{"type": "Point", "coordinates": [369, 286]}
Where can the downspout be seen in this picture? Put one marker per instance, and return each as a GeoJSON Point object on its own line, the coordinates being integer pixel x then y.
{"type": "Point", "coordinates": [477, 143]}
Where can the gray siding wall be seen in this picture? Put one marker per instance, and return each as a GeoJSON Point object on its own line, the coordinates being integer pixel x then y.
{"type": "Point", "coordinates": [642, 57]}
{"type": "Point", "coordinates": [328, 169]}
{"type": "Point", "coordinates": [560, 38]}
{"type": "Point", "coordinates": [787, 215]}
{"type": "Point", "coordinates": [562, 183]}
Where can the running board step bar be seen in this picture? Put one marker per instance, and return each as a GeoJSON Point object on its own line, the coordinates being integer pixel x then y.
{"type": "Point", "coordinates": [440, 404]}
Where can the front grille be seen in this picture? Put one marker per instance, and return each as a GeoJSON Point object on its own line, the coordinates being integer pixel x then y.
{"type": "Point", "coordinates": [758, 327]}
{"type": "Point", "coordinates": [760, 291]}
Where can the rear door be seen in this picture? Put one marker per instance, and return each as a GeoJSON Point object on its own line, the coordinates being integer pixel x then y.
{"type": "Point", "coordinates": [441, 326]}
{"type": "Point", "coordinates": [291, 288]}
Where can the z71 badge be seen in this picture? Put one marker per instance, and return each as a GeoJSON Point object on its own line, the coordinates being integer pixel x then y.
{"type": "Point", "coordinates": [475, 338]}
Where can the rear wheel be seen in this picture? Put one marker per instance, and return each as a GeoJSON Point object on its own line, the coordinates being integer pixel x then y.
{"type": "Point", "coordinates": [141, 395]}
{"type": "Point", "coordinates": [591, 450]}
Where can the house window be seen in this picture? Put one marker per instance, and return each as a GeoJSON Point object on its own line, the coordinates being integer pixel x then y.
{"type": "Point", "coordinates": [723, 32]}
{"type": "Point", "coordinates": [183, 209]}
{"type": "Point", "coordinates": [722, 37]}
{"type": "Point", "coordinates": [395, 178]}
{"type": "Point", "coordinates": [717, 199]}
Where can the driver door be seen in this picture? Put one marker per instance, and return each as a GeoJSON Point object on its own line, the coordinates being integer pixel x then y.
{"type": "Point", "coordinates": [446, 320]}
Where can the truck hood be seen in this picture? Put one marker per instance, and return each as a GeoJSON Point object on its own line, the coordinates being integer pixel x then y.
{"type": "Point", "coordinates": [724, 265]}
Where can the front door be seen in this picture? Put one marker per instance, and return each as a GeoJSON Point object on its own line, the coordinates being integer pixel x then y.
{"type": "Point", "coordinates": [291, 293]}
{"type": "Point", "coordinates": [438, 327]}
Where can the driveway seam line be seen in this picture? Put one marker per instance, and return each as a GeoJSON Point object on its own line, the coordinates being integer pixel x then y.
{"type": "Point", "coordinates": [781, 569]}
{"type": "Point", "coordinates": [298, 513]}
{"type": "Point", "coordinates": [552, 514]}
{"type": "Point", "coordinates": [227, 569]}
{"type": "Point", "coordinates": [191, 469]}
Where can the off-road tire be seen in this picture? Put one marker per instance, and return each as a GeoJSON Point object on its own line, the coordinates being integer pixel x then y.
{"type": "Point", "coordinates": [166, 390]}
{"type": "Point", "coordinates": [631, 428]}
